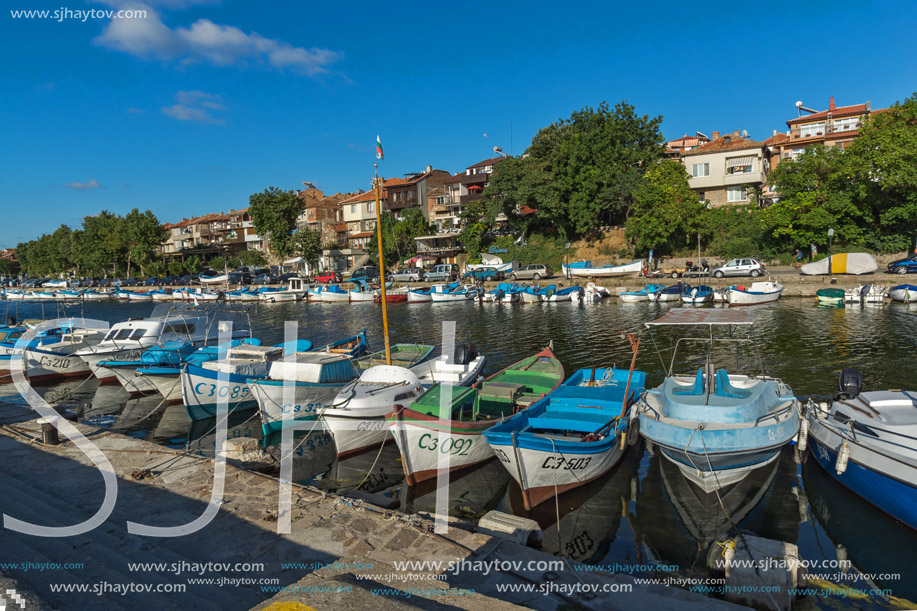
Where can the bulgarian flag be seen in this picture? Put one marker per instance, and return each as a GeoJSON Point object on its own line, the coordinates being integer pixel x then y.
{"type": "Point", "coordinates": [379, 154]}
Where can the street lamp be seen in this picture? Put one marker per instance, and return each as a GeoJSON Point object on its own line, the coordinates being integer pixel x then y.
{"type": "Point", "coordinates": [830, 235]}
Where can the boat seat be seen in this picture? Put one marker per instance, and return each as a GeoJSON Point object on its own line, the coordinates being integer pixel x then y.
{"type": "Point", "coordinates": [725, 389]}
{"type": "Point", "coordinates": [570, 421]}
{"type": "Point", "coordinates": [525, 401]}
{"type": "Point", "coordinates": [501, 391]}
{"type": "Point", "coordinates": [696, 389]}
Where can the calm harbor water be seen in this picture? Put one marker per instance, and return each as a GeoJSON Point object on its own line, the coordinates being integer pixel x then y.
{"type": "Point", "coordinates": [643, 512]}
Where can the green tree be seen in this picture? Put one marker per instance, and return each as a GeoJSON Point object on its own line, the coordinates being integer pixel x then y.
{"type": "Point", "coordinates": [193, 264]}
{"type": "Point", "coordinates": [252, 258]}
{"type": "Point", "coordinates": [398, 241]}
{"type": "Point", "coordinates": [6, 267]}
{"type": "Point", "coordinates": [308, 245]}
{"type": "Point", "coordinates": [882, 171]}
{"type": "Point", "coordinates": [582, 171]}
{"type": "Point", "coordinates": [814, 197]}
{"type": "Point", "coordinates": [175, 268]}
{"type": "Point", "coordinates": [100, 246]}
{"type": "Point", "coordinates": [218, 264]}
{"type": "Point", "coordinates": [142, 234]}
{"type": "Point", "coordinates": [274, 213]}
{"type": "Point", "coordinates": [666, 213]}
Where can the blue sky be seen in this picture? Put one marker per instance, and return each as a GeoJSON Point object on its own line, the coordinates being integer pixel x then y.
{"type": "Point", "coordinates": [205, 102]}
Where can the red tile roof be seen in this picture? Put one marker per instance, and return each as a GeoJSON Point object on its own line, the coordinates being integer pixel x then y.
{"type": "Point", "coordinates": [728, 142]}
{"type": "Point", "coordinates": [364, 234]}
{"type": "Point", "coordinates": [839, 111]}
{"type": "Point", "coordinates": [486, 162]}
{"type": "Point", "coordinates": [776, 140]}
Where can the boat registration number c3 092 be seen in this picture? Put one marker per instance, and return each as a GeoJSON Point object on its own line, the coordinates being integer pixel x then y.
{"type": "Point", "coordinates": [207, 389]}
{"type": "Point", "coordinates": [566, 464]}
{"type": "Point", "coordinates": [450, 445]}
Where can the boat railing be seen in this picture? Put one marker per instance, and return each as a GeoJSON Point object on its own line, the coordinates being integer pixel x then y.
{"type": "Point", "coordinates": [775, 415]}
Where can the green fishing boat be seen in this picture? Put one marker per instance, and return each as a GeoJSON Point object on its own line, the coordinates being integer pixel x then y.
{"type": "Point", "coordinates": [424, 438]}
{"type": "Point", "coordinates": [403, 355]}
{"type": "Point", "coordinates": [830, 296]}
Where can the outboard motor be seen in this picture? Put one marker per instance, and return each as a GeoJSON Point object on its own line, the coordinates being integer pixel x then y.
{"type": "Point", "coordinates": [850, 383]}
{"type": "Point", "coordinates": [461, 355]}
{"type": "Point", "coordinates": [864, 292]}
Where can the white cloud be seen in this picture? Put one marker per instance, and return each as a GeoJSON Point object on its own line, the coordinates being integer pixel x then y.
{"type": "Point", "coordinates": [207, 42]}
{"type": "Point", "coordinates": [193, 105]}
{"type": "Point", "coordinates": [82, 186]}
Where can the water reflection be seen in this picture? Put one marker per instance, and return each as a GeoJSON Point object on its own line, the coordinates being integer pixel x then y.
{"type": "Point", "coordinates": [643, 511]}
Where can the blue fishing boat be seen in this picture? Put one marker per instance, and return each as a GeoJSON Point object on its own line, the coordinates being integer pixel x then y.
{"type": "Point", "coordinates": [202, 387]}
{"type": "Point", "coordinates": [165, 377]}
{"type": "Point", "coordinates": [167, 354]}
{"type": "Point", "coordinates": [697, 295]}
{"type": "Point", "coordinates": [329, 293]}
{"type": "Point", "coordinates": [641, 295]}
{"type": "Point", "coordinates": [564, 294]}
{"type": "Point", "coordinates": [716, 427]}
{"type": "Point", "coordinates": [668, 293]}
{"type": "Point", "coordinates": [572, 436]}
{"type": "Point", "coordinates": [867, 441]}
{"type": "Point", "coordinates": [419, 295]}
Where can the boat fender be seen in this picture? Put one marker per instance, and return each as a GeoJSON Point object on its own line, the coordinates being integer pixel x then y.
{"type": "Point", "coordinates": [802, 437]}
{"type": "Point", "coordinates": [843, 454]}
{"type": "Point", "coordinates": [633, 431]}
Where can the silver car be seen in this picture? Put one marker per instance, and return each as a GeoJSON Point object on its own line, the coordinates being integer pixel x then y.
{"type": "Point", "coordinates": [532, 272]}
{"type": "Point", "coordinates": [740, 267]}
{"type": "Point", "coordinates": [407, 275]}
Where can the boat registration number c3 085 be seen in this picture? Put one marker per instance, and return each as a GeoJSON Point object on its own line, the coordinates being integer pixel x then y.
{"type": "Point", "coordinates": [450, 445]}
{"type": "Point", "coordinates": [207, 389]}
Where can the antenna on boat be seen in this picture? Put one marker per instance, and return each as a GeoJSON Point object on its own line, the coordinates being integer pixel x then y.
{"type": "Point", "coordinates": [377, 187]}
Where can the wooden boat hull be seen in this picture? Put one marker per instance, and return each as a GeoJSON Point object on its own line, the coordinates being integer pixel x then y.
{"type": "Point", "coordinates": [602, 272]}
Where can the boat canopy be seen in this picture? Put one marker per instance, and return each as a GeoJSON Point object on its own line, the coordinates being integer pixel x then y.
{"type": "Point", "coordinates": [842, 263]}
{"type": "Point", "coordinates": [689, 316]}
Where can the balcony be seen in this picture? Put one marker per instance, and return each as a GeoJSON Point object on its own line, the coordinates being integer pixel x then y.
{"type": "Point", "coordinates": [464, 199]}
{"type": "Point", "coordinates": [474, 179]}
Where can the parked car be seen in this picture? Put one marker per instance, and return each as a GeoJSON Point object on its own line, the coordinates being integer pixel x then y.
{"type": "Point", "coordinates": [444, 272]}
{"type": "Point", "coordinates": [367, 272]}
{"type": "Point", "coordinates": [407, 275]}
{"type": "Point", "coordinates": [904, 266]}
{"type": "Point", "coordinates": [73, 283]}
{"type": "Point", "coordinates": [532, 272]}
{"type": "Point", "coordinates": [188, 279]}
{"type": "Point", "coordinates": [262, 279]}
{"type": "Point", "coordinates": [740, 267]}
{"type": "Point", "coordinates": [487, 274]}
{"type": "Point", "coordinates": [239, 278]}
{"type": "Point", "coordinates": [151, 281]}
{"type": "Point", "coordinates": [282, 278]}
{"type": "Point", "coordinates": [328, 276]}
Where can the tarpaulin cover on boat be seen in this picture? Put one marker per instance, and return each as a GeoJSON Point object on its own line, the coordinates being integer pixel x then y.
{"type": "Point", "coordinates": [843, 263]}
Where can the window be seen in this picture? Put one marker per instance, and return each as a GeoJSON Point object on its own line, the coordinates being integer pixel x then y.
{"type": "Point", "coordinates": [353, 208]}
{"type": "Point", "coordinates": [739, 165]}
{"type": "Point", "coordinates": [370, 207]}
{"type": "Point", "coordinates": [701, 196]}
{"type": "Point", "coordinates": [812, 129]}
{"type": "Point", "coordinates": [846, 124]}
{"type": "Point", "coordinates": [736, 194]}
{"type": "Point", "coordinates": [700, 169]}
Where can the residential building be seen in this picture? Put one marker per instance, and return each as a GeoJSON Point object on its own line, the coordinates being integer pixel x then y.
{"type": "Point", "coordinates": [412, 192]}
{"type": "Point", "coordinates": [441, 246]}
{"type": "Point", "coordinates": [837, 126]}
{"type": "Point", "coordinates": [212, 234]}
{"type": "Point", "coordinates": [325, 215]}
{"type": "Point", "coordinates": [728, 169]}
{"type": "Point", "coordinates": [674, 149]}
{"type": "Point", "coordinates": [446, 203]}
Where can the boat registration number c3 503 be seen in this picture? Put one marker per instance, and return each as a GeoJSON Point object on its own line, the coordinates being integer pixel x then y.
{"type": "Point", "coordinates": [567, 464]}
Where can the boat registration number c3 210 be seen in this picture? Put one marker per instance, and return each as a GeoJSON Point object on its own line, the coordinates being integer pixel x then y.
{"type": "Point", "coordinates": [59, 362]}
{"type": "Point", "coordinates": [207, 389]}
{"type": "Point", "coordinates": [450, 445]}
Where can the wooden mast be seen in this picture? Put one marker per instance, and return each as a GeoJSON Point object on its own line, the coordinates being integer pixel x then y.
{"type": "Point", "coordinates": [377, 187]}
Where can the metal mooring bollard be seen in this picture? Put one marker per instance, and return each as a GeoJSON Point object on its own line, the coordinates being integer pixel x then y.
{"type": "Point", "coordinates": [49, 434]}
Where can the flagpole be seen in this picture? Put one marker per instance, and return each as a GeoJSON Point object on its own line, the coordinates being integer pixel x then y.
{"type": "Point", "coordinates": [377, 187]}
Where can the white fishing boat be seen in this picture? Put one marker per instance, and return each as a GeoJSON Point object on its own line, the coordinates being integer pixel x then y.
{"type": "Point", "coordinates": [419, 296]}
{"type": "Point", "coordinates": [591, 294]}
{"type": "Point", "coordinates": [903, 293]}
{"type": "Point", "coordinates": [126, 341]}
{"type": "Point", "coordinates": [53, 356]}
{"type": "Point", "coordinates": [585, 269]}
{"type": "Point", "coordinates": [459, 369]}
{"type": "Point", "coordinates": [357, 419]}
{"type": "Point", "coordinates": [866, 293]}
{"type": "Point", "coordinates": [330, 293]}
{"type": "Point", "coordinates": [364, 291]}
{"type": "Point", "coordinates": [221, 279]}
{"type": "Point", "coordinates": [754, 294]}
{"type": "Point", "coordinates": [300, 385]}
{"type": "Point", "coordinates": [462, 293]}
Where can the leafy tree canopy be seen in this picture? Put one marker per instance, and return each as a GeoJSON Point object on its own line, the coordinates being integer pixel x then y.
{"type": "Point", "coordinates": [666, 213]}
{"type": "Point", "coordinates": [274, 213]}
